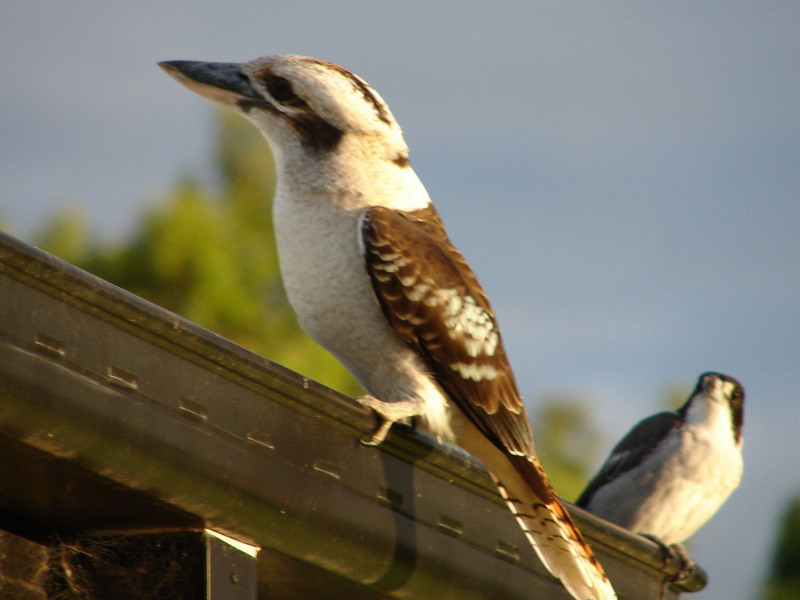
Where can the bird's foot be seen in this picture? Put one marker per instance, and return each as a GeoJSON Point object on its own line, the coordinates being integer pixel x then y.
{"type": "Point", "coordinates": [686, 566]}
{"type": "Point", "coordinates": [674, 554]}
{"type": "Point", "coordinates": [387, 413]}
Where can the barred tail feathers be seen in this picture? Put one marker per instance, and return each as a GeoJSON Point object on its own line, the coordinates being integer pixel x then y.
{"type": "Point", "coordinates": [552, 533]}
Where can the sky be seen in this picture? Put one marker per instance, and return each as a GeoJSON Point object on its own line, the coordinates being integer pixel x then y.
{"type": "Point", "coordinates": [623, 177]}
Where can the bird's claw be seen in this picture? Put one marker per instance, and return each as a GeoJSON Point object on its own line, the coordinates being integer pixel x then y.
{"type": "Point", "coordinates": [672, 554]}
{"type": "Point", "coordinates": [384, 422]}
{"type": "Point", "coordinates": [388, 413]}
{"type": "Point", "coordinates": [686, 566]}
{"type": "Point", "coordinates": [379, 434]}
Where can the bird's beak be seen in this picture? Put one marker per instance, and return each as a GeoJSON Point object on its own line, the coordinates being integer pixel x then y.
{"type": "Point", "coordinates": [225, 83]}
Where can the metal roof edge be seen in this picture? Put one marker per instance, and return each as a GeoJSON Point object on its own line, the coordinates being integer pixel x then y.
{"type": "Point", "coordinates": [30, 417]}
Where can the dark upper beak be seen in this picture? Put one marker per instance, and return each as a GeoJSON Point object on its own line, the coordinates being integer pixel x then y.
{"type": "Point", "coordinates": [225, 83]}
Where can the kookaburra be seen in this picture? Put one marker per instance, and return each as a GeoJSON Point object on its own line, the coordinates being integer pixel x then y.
{"type": "Point", "coordinates": [370, 271]}
{"type": "Point", "coordinates": [673, 470]}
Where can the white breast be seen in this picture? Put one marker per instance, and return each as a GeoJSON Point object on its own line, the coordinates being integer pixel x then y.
{"type": "Point", "coordinates": [679, 487]}
{"type": "Point", "coordinates": [328, 287]}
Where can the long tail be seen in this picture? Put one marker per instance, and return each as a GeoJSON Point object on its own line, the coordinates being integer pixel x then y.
{"type": "Point", "coordinates": [550, 529]}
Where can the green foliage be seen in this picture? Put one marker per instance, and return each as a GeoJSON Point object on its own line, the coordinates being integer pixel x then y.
{"type": "Point", "coordinates": [566, 439]}
{"type": "Point", "coordinates": [67, 235]}
{"type": "Point", "coordinates": [209, 255]}
{"type": "Point", "coordinates": [783, 581]}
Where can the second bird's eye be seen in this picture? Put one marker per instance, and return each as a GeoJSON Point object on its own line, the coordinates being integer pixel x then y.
{"type": "Point", "coordinates": [281, 90]}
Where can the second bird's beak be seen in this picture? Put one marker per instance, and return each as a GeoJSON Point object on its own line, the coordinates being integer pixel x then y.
{"type": "Point", "coordinates": [225, 83]}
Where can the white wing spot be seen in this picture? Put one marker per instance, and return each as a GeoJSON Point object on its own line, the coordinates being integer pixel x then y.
{"type": "Point", "coordinates": [464, 316]}
{"type": "Point", "coordinates": [418, 292]}
{"type": "Point", "coordinates": [391, 262]}
{"type": "Point", "coordinates": [454, 304]}
{"type": "Point", "coordinates": [474, 371]}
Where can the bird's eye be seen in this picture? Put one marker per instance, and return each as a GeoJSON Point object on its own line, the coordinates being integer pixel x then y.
{"type": "Point", "coordinates": [281, 91]}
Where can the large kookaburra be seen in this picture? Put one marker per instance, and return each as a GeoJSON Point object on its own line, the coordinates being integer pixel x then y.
{"type": "Point", "coordinates": [373, 277]}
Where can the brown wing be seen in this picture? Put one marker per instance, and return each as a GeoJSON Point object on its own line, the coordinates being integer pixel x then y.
{"type": "Point", "coordinates": [434, 301]}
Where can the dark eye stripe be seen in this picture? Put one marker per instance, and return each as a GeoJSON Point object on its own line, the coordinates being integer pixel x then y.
{"type": "Point", "coordinates": [281, 91]}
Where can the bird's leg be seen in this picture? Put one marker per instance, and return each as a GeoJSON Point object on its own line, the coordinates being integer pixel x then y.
{"type": "Point", "coordinates": [687, 565]}
{"type": "Point", "coordinates": [672, 554]}
{"type": "Point", "coordinates": [667, 555]}
{"type": "Point", "coordinates": [387, 414]}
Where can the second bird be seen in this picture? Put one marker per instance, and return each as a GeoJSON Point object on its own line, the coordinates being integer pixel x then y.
{"type": "Point", "coordinates": [673, 470]}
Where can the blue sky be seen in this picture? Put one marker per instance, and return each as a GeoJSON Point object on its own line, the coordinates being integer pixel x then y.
{"type": "Point", "coordinates": [624, 178]}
